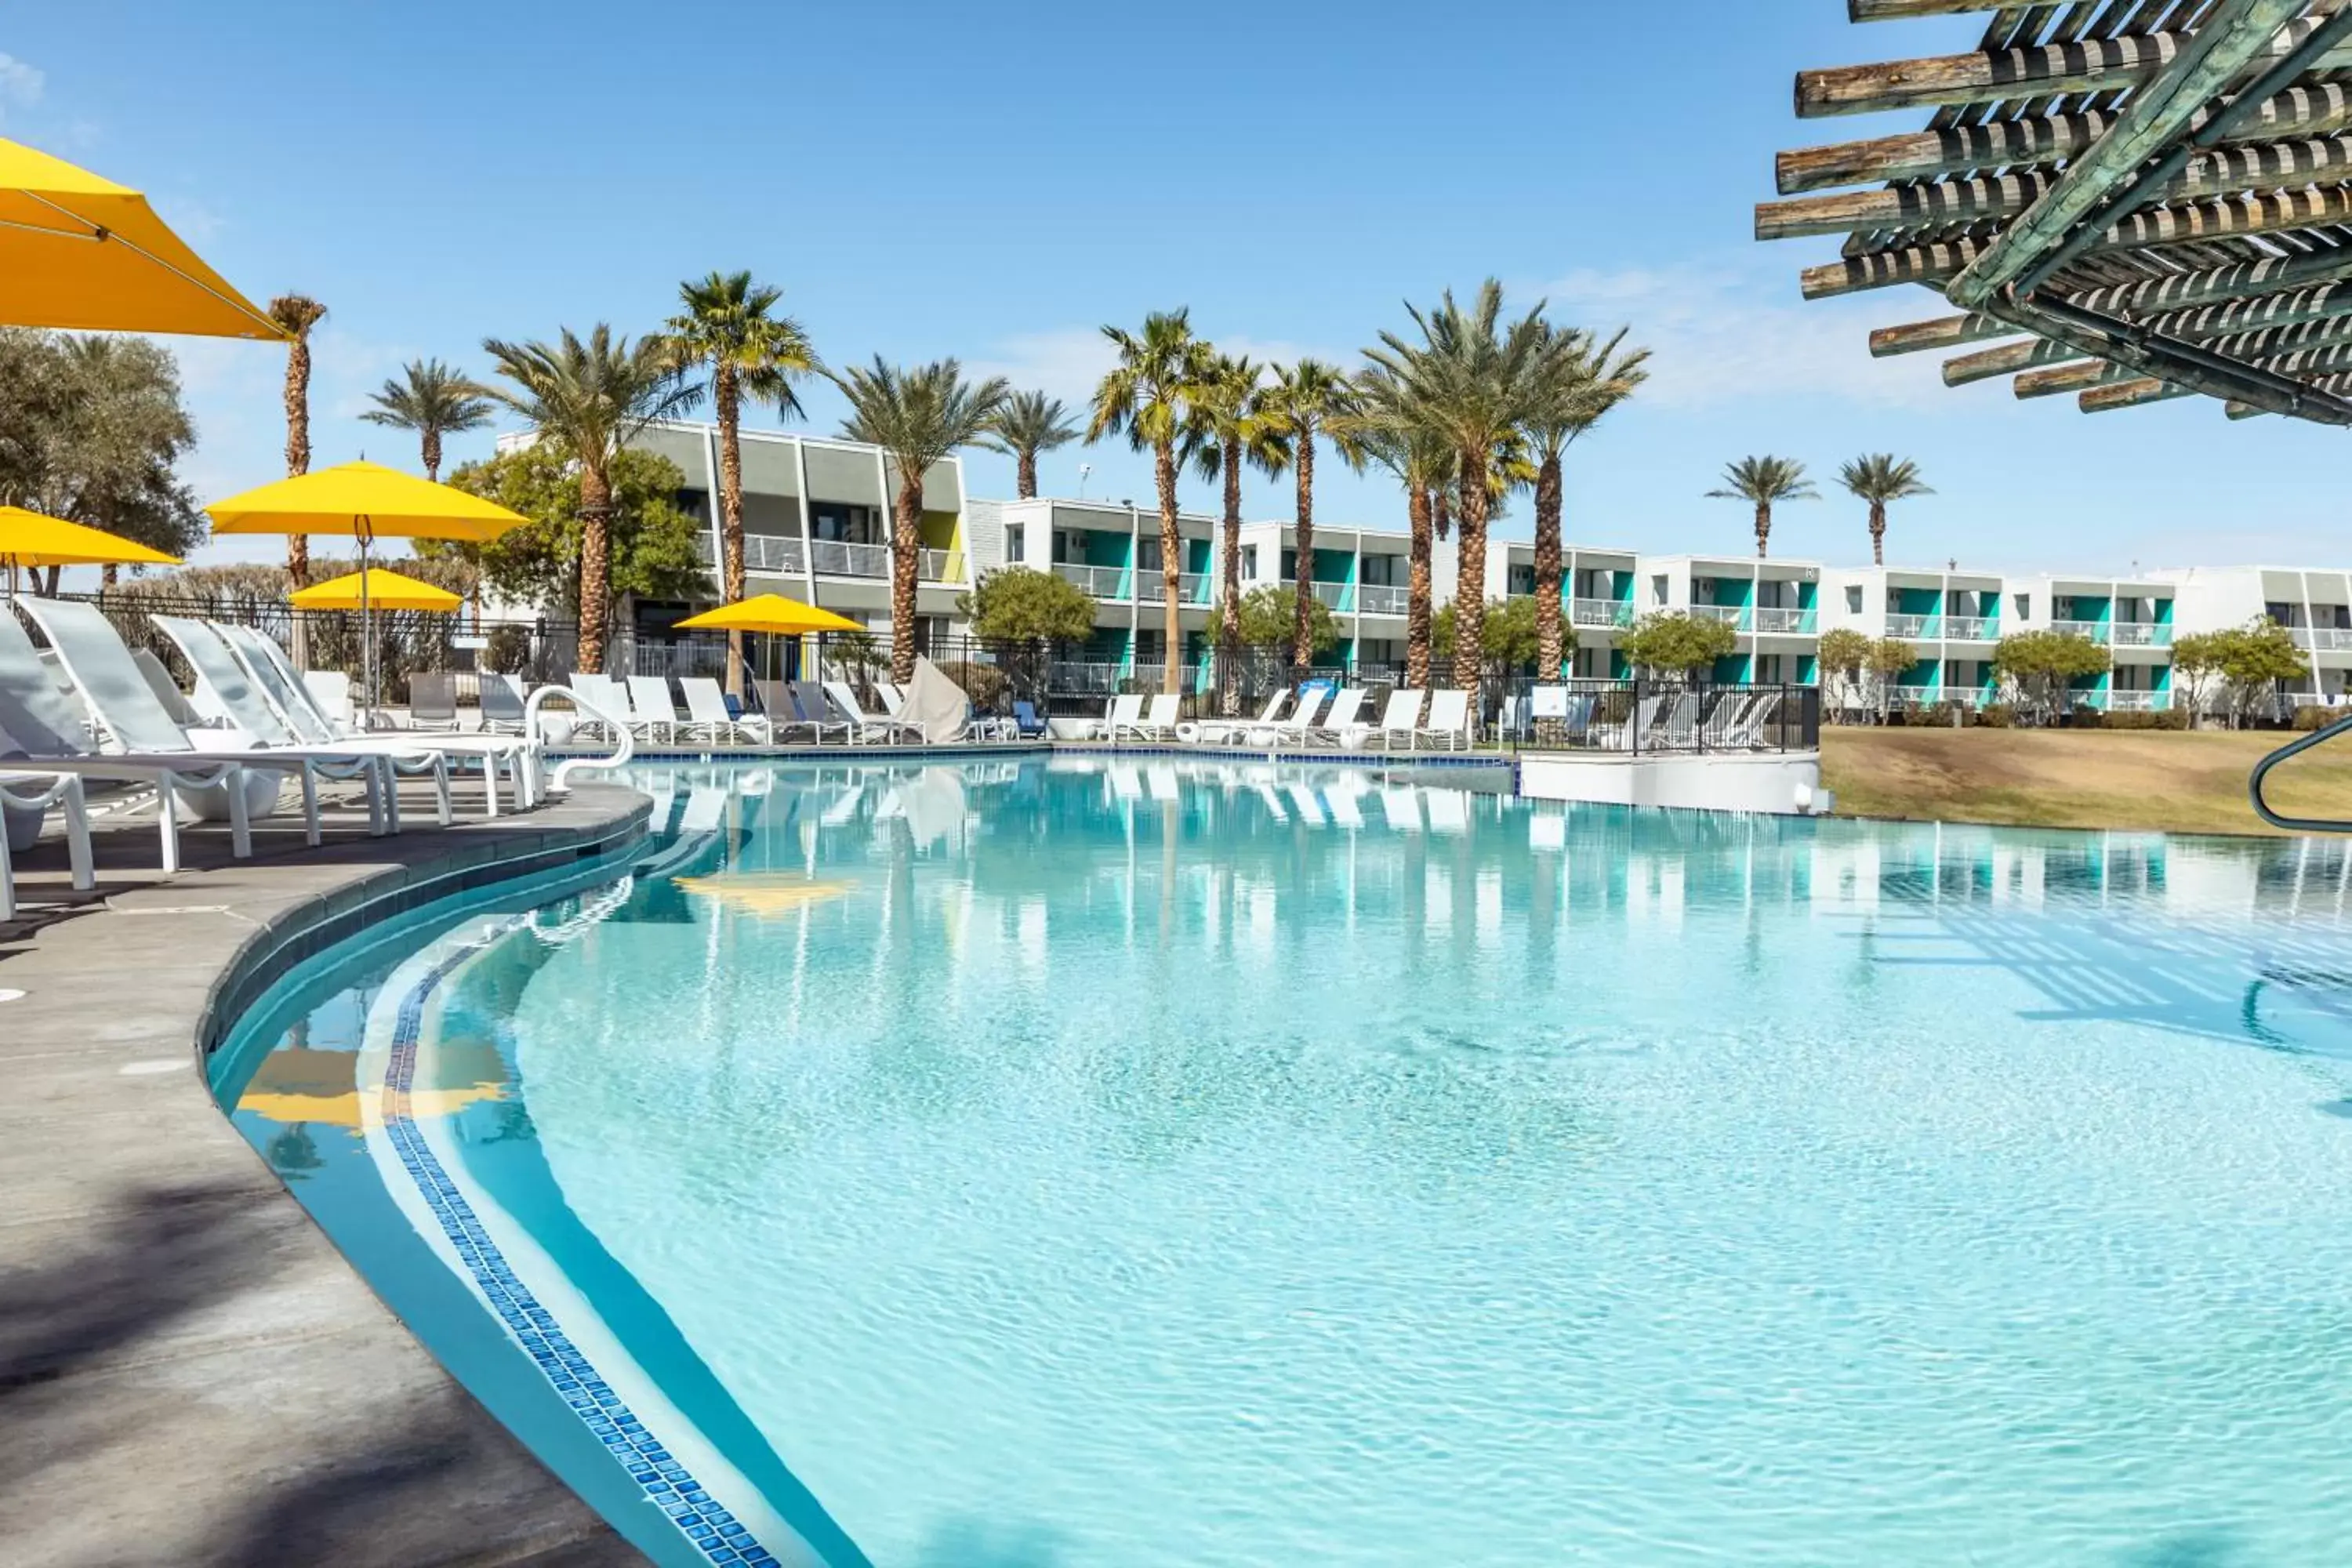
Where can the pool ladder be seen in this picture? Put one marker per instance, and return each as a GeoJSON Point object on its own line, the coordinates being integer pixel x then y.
{"type": "Point", "coordinates": [2292, 749]}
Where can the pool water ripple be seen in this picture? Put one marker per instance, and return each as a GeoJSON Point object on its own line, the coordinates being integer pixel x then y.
{"type": "Point", "coordinates": [1089, 1177]}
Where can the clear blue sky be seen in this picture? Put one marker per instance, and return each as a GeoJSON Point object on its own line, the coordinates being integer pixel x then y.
{"type": "Point", "coordinates": [996, 183]}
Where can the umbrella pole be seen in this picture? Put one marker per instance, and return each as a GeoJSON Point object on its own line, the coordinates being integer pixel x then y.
{"type": "Point", "coordinates": [367, 635]}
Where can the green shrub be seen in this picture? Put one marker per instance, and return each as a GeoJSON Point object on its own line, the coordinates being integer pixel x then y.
{"type": "Point", "coordinates": [2165, 719]}
{"type": "Point", "coordinates": [1996, 716]}
{"type": "Point", "coordinates": [2310, 716]}
{"type": "Point", "coordinates": [984, 683]}
{"type": "Point", "coordinates": [2087, 719]}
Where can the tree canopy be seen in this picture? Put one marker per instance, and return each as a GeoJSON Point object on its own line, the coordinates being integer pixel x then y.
{"type": "Point", "coordinates": [1270, 619]}
{"type": "Point", "coordinates": [1672, 642]}
{"type": "Point", "coordinates": [1511, 641]}
{"type": "Point", "coordinates": [2041, 665]}
{"type": "Point", "coordinates": [2247, 662]}
{"type": "Point", "coordinates": [1022, 605]}
{"type": "Point", "coordinates": [655, 546]}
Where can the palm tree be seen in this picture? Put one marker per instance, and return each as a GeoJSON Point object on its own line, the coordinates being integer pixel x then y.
{"type": "Point", "coordinates": [919, 416]}
{"type": "Point", "coordinates": [1761, 481]}
{"type": "Point", "coordinates": [1231, 429]}
{"type": "Point", "coordinates": [1308, 399]}
{"type": "Point", "coordinates": [1593, 378]}
{"type": "Point", "coordinates": [1476, 380]}
{"type": "Point", "coordinates": [588, 397]}
{"type": "Point", "coordinates": [1028, 424]}
{"type": "Point", "coordinates": [295, 314]}
{"type": "Point", "coordinates": [1148, 394]}
{"type": "Point", "coordinates": [1394, 432]}
{"type": "Point", "coordinates": [435, 400]}
{"type": "Point", "coordinates": [1878, 478]}
{"type": "Point", "coordinates": [724, 324]}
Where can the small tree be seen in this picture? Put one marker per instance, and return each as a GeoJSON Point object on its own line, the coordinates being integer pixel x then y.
{"type": "Point", "coordinates": [2197, 660]}
{"type": "Point", "coordinates": [1512, 639]}
{"type": "Point", "coordinates": [2254, 658]}
{"type": "Point", "coordinates": [1270, 619]}
{"type": "Point", "coordinates": [2040, 667]}
{"type": "Point", "coordinates": [1882, 663]}
{"type": "Point", "coordinates": [1844, 657]}
{"type": "Point", "coordinates": [1678, 645]}
{"type": "Point", "coordinates": [1022, 610]}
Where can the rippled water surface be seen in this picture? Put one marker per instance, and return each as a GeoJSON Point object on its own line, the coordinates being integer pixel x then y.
{"type": "Point", "coordinates": [1068, 1165]}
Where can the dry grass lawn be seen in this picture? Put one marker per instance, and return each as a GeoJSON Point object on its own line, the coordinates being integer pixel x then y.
{"type": "Point", "coordinates": [2180, 783]}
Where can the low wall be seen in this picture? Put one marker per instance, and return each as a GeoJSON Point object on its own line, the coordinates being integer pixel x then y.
{"type": "Point", "coordinates": [1780, 784]}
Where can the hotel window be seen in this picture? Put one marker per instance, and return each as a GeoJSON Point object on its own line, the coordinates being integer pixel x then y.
{"type": "Point", "coordinates": [1854, 598]}
{"type": "Point", "coordinates": [1657, 590]}
{"type": "Point", "coordinates": [1249, 562]}
{"type": "Point", "coordinates": [1015, 542]}
{"type": "Point", "coordinates": [843, 522]}
{"type": "Point", "coordinates": [1767, 668]}
{"type": "Point", "coordinates": [2024, 606]}
{"type": "Point", "coordinates": [1523, 580]}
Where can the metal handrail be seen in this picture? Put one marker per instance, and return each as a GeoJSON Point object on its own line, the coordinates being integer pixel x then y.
{"type": "Point", "coordinates": [557, 781]}
{"type": "Point", "coordinates": [2292, 749]}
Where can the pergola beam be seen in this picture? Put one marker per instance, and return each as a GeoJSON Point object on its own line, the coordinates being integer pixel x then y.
{"type": "Point", "coordinates": [2132, 394]}
{"type": "Point", "coordinates": [2120, 342]}
{"type": "Point", "coordinates": [2044, 71]}
{"type": "Point", "coordinates": [1882, 269]}
{"type": "Point", "coordinates": [2238, 280]}
{"type": "Point", "coordinates": [1943, 333]}
{"type": "Point", "coordinates": [2007, 360]}
{"type": "Point", "coordinates": [2013, 144]}
{"type": "Point", "coordinates": [2068, 378]}
{"type": "Point", "coordinates": [2238, 35]}
{"type": "Point", "coordinates": [1904, 10]}
{"type": "Point", "coordinates": [2238, 316]}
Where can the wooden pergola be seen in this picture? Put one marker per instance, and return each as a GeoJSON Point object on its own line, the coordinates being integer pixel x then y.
{"type": "Point", "coordinates": [2131, 200]}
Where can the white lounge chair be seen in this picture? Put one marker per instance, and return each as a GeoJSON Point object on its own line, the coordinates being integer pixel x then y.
{"type": "Point", "coordinates": [1126, 712]}
{"type": "Point", "coordinates": [1293, 730]}
{"type": "Point", "coordinates": [502, 699]}
{"type": "Point", "coordinates": [1158, 724]}
{"type": "Point", "coordinates": [706, 715]}
{"type": "Point", "coordinates": [39, 791]}
{"type": "Point", "coordinates": [1345, 709]}
{"type": "Point", "coordinates": [46, 732]}
{"type": "Point", "coordinates": [1401, 717]}
{"type": "Point", "coordinates": [226, 695]}
{"type": "Point", "coordinates": [273, 673]}
{"type": "Point", "coordinates": [870, 728]}
{"type": "Point", "coordinates": [1749, 732]}
{"type": "Point", "coordinates": [1226, 731]}
{"type": "Point", "coordinates": [654, 710]}
{"type": "Point", "coordinates": [1637, 727]}
{"type": "Point", "coordinates": [1448, 726]}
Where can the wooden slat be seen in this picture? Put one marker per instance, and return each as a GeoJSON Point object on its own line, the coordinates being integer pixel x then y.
{"type": "Point", "coordinates": [1904, 10]}
{"type": "Point", "coordinates": [2006, 360]}
{"type": "Point", "coordinates": [2237, 280]}
{"type": "Point", "coordinates": [2184, 364]}
{"type": "Point", "coordinates": [1944, 332]}
{"type": "Point", "coordinates": [2239, 35]}
{"type": "Point", "coordinates": [2241, 316]}
{"type": "Point", "coordinates": [1879, 269]}
{"type": "Point", "coordinates": [2256, 167]}
{"type": "Point", "coordinates": [2067, 378]}
{"type": "Point", "coordinates": [2132, 394]}
{"type": "Point", "coordinates": [2245, 214]}
{"type": "Point", "coordinates": [2044, 139]}
{"type": "Point", "coordinates": [2314, 362]}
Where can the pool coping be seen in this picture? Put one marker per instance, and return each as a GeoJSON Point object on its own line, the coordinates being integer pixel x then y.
{"type": "Point", "coordinates": [198, 1373]}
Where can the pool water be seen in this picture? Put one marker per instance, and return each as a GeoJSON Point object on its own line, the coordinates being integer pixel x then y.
{"type": "Point", "coordinates": [1111, 1162]}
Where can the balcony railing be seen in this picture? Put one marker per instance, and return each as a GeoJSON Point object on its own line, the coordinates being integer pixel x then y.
{"type": "Point", "coordinates": [2134, 701]}
{"type": "Point", "coordinates": [941, 566]}
{"type": "Point", "coordinates": [1102, 582]}
{"type": "Point", "coordinates": [1191, 587]}
{"type": "Point", "coordinates": [2094, 630]}
{"type": "Point", "coordinates": [1381, 599]}
{"type": "Point", "coordinates": [1971, 628]}
{"type": "Point", "coordinates": [1729, 615]}
{"type": "Point", "coordinates": [2324, 636]}
{"type": "Point", "coordinates": [1775, 618]}
{"type": "Point", "coordinates": [1911, 625]}
{"type": "Point", "coordinates": [836, 558]}
{"type": "Point", "coordinates": [768, 552]}
{"type": "Point", "coordinates": [1600, 613]}
{"type": "Point", "coordinates": [1333, 594]}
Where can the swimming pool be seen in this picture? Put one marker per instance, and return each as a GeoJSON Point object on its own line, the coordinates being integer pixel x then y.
{"type": "Point", "coordinates": [1114, 1162]}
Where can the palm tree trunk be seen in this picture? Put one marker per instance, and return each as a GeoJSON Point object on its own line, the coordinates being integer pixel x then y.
{"type": "Point", "coordinates": [298, 445]}
{"type": "Point", "coordinates": [1763, 527]}
{"type": "Point", "coordinates": [1229, 625]}
{"type": "Point", "coordinates": [1302, 635]}
{"type": "Point", "coordinates": [596, 564]}
{"type": "Point", "coordinates": [106, 575]}
{"type": "Point", "coordinates": [1470, 584]}
{"type": "Point", "coordinates": [726, 400]}
{"type": "Point", "coordinates": [906, 562]}
{"type": "Point", "coordinates": [1441, 514]}
{"type": "Point", "coordinates": [1025, 475]}
{"type": "Point", "coordinates": [1877, 534]}
{"type": "Point", "coordinates": [1419, 511]}
{"type": "Point", "coordinates": [1171, 571]}
{"type": "Point", "coordinates": [432, 455]}
{"type": "Point", "coordinates": [1549, 649]}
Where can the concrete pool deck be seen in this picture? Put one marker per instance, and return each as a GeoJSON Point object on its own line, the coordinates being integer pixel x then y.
{"type": "Point", "coordinates": [190, 1372]}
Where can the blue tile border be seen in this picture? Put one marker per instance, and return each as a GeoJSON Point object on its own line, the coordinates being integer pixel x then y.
{"type": "Point", "coordinates": [714, 1532]}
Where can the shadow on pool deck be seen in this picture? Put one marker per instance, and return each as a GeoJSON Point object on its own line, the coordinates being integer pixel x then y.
{"type": "Point", "coordinates": [190, 1372]}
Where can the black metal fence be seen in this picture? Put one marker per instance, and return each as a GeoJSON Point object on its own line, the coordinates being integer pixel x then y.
{"type": "Point", "coordinates": [1646, 717]}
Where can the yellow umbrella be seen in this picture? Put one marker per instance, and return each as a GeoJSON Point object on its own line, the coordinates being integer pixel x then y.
{"type": "Point", "coordinates": [770, 612]}
{"type": "Point", "coordinates": [28, 539]}
{"type": "Point", "coordinates": [364, 502]}
{"type": "Point", "coordinates": [383, 590]}
{"type": "Point", "coordinates": [85, 254]}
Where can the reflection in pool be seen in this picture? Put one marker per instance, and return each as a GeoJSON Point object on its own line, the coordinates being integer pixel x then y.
{"type": "Point", "coordinates": [1114, 1162]}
